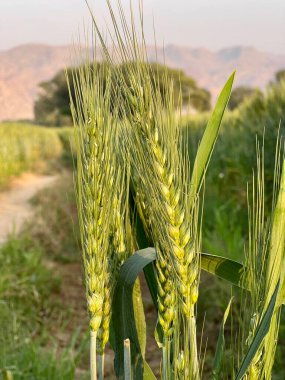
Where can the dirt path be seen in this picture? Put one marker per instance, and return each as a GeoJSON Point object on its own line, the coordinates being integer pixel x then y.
{"type": "Point", "coordinates": [15, 207]}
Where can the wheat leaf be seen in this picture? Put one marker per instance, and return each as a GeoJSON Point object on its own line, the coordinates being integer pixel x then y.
{"type": "Point", "coordinates": [209, 138]}
{"type": "Point", "coordinates": [223, 268]}
{"type": "Point", "coordinates": [125, 323]}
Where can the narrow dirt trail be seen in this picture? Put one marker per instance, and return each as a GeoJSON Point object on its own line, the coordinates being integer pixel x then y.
{"type": "Point", "coordinates": [15, 206]}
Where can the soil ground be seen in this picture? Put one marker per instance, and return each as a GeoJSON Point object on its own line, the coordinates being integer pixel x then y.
{"type": "Point", "coordinates": [15, 206]}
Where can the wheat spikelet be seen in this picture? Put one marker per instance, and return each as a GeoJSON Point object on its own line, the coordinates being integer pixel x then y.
{"type": "Point", "coordinates": [166, 299]}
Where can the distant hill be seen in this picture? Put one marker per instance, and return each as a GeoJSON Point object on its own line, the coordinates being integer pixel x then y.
{"type": "Point", "coordinates": [24, 67]}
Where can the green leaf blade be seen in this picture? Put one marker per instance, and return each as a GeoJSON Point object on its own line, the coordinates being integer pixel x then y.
{"type": "Point", "coordinates": [220, 346]}
{"type": "Point", "coordinates": [261, 332]}
{"type": "Point", "coordinates": [209, 138]}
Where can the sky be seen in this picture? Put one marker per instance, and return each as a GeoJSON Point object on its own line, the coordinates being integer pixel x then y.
{"type": "Point", "coordinates": [212, 24]}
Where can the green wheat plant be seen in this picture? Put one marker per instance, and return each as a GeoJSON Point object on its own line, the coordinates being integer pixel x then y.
{"type": "Point", "coordinates": [265, 262]}
{"type": "Point", "coordinates": [99, 182]}
{"type": "Point", "coordinates": [140, 206]}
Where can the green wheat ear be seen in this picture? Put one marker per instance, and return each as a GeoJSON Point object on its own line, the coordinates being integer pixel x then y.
{"type": "Point", "coordinates": [161, 181]}
{"type": "Point", "coordinates": [101, 194]}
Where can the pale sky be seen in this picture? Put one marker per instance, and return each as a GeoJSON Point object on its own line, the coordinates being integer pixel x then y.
{"type": "Point", "coordinates": [212, 24]}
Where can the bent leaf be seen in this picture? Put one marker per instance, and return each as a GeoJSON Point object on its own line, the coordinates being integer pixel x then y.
{"type": "Point", "coordinates": [224, 268]}
{"type": "Point", "coordinates": [209, 138]}
{"type": "Point", "coordinates": [232, 271]}
{"type": "Point", "coordinates": [125, 322]}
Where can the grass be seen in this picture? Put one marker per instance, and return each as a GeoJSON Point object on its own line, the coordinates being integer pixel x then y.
{"type": "Point", "coordinates": [40, 316]}
{"type": "Point", "coordinates": [27, 290]}
{"type": "Point", "coordinates": [26, 285]}
{"type": "Point", "coordinates": [30, 360]}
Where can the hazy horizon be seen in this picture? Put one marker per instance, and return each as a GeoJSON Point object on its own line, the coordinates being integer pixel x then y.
{"type": "Point", "coordinates": [189, 23]}
{"type": "Point", "coordinates": [166, 45]}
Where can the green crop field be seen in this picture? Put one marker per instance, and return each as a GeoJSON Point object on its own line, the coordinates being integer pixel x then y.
{"type": "Point", "coordinates": [25, 147]}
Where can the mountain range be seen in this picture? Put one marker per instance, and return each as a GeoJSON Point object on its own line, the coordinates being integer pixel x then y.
{"type": "Point", "coordinates": [22, 69]}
